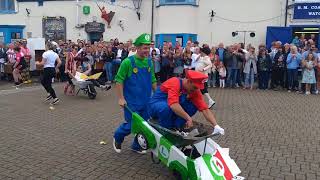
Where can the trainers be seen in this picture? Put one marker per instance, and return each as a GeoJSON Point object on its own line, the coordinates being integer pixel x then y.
{"type": "Point", "coordinates": [116, 146]}
{"type": "Point", "coordinates": [49, 97]}
{"type": "Point", "coordinates": [139, 151]}
{"type": "Point", "coordinates": [211, 103]}
{"type": "Point", "coordinates": [105, 87]}
{"type": "Point", "coordinates": [17, 84]}
{"type": "Point", "coordinates": [108, 88]}
{"type": "Point", "coordinates": [55, 101]}
{"type": "Point", "coordinates": [308, 93]}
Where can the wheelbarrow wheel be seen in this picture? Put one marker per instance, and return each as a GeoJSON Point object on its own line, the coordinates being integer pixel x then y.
{"type": "Point", "coordinates": [142, 141]}
{"type": "Point", "coordinates": [91, 96]}
{"type": "Point", "coordinates": [92, 93]}
{"type": "Point", "coordinates": [177, 175]}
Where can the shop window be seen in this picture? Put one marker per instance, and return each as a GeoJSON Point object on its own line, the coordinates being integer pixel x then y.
{"type": "Point", "coordinates": [7, 6]}
{"type": "Point", "coordinates": [1, 37]}
{"type": "Point", "coordinates": [177, 2]}
{"type": "Point", "coordinates": [15, 35]}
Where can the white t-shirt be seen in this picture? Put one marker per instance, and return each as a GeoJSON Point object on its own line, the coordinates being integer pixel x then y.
{"type": "Point", "coordinates": [119, 52]}
{"type": "Point", "coordinates": [157, 51]}
{"type": "Point", "coordinates": [50, 57]}
{"type": "Point", "coordinates": [131, 53]}
{"type": "Point", "coordinates": [194, 60]}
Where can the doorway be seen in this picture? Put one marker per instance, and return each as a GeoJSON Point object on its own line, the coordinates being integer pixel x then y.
{"type": "Point", "coordinates": [95, 36]}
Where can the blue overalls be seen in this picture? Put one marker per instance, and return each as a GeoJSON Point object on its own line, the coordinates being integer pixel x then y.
{"type": "Point", "coordinates": [159, 109]}
{"type": "Point", "coordinates": [137, 92]}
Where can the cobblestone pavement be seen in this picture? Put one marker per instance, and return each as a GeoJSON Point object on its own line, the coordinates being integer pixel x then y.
{"type": "Point", "coordinates": [271, 135]}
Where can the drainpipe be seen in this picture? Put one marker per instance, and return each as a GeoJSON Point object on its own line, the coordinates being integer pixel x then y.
{"type": "Point", "coordinates": [152, 18]}
{"type": "Point", "coordinates": [77, 19]}
{"type": "Point", "coordinates": [286, 15]}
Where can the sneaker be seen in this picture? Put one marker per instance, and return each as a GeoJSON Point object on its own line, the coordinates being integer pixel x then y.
{"type": "Point", "coordinates": [55, 101]}
{"type": "Point", "coordinates": [105, 87]}
{"type": "Point", "coordinates": [317, 92]}
{"type": "Point", "coordinates": [49, 97]}
{"type": "Point", "coordinates": [308, 93]}
{"type": "Point", "coordinates": [108, 88]}
{"type": "Point", "coordinates": [289, 91]}
{"type": "Point", "coordinates": [211, 103]}
{"type": "Point", "coordinates": [116, 146]}
{"type": "Point", "coordinates": [139, 151]}
{"type": "Point", "coordinates": [17, 84]}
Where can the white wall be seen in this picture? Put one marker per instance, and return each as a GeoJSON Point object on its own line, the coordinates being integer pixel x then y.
{"type": "Point", "coordinates": [237, 15]}
{"type": "Point", "coordinates": [231, 15]}
{"type": "Point", "coordinates": [175, 19]}
{"type": "Point", "coordinates": [244, 14]}
{"type": "Point", "coordinates": [67, 9]}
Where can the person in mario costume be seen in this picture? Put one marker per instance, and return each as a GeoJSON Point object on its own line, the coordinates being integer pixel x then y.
{"type": "Point", "coordinates": [134, 83]}
{"type": "Point", "coordinates": [177, 100]}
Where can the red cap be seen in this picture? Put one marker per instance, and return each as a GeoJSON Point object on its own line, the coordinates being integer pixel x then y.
{"type": "Point", "coordinates": [197, 78]}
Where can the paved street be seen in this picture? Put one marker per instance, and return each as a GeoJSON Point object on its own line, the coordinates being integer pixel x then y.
{"type": "Point", "coordinates": [271, 135]}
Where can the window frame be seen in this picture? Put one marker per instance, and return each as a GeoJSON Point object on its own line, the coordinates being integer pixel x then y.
{"type": "Point", "coordinates": [185, 2]}
{"type": "Point", "coordinates": [7, 10]}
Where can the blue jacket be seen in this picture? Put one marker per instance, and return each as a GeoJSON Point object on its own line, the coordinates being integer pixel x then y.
{"type": "Point", "coordinates": [293, 62]}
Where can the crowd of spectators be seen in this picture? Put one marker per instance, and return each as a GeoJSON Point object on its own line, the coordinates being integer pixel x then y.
{"type": "Point", "coordinates": [291, 67]}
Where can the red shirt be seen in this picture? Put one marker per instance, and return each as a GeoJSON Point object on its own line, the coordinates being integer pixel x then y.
{"type": "Point", "coordinates": [172, 88]}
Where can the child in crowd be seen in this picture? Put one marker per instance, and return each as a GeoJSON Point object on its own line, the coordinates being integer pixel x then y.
{"type": "Point", "coordinates": [222, 75]}
{"type": "Point", "coordinates": [308, 72]}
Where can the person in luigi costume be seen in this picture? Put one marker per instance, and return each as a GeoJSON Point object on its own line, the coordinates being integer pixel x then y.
{"type": "Point", "coordinates": [134, 83]}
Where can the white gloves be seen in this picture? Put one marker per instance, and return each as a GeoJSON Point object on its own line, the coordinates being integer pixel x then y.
{"type": "Point", "coordinates": [218, 130]}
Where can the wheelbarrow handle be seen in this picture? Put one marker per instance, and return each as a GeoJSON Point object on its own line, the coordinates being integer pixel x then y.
{"type": "Point", "coordinates": [127, 107]}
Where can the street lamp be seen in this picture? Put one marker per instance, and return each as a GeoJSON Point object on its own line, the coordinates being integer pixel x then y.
{"type": "Point", "coordinates": [252, 34]}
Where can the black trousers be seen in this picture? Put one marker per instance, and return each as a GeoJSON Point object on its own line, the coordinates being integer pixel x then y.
{"type": "Point", "coordinates": [46, 81]}
{"type": "Point", "coordinates": [165, 73]}
{"type": "Point", "coordinates": [205, 90]}
{"type": "Point", "coordinates": [277, 77]}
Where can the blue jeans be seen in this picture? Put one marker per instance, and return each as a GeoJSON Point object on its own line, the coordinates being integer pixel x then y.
{"type": "Point", "coordinates": [212, 79]}
{"type": "Point", "coordinates": [234, 77]}
{"type": "Point", "coordinates": [229, 76]}
{"type": "Point", "coordinates": [249, 79]}
{"type": "Point", "coordinates": [108, 68]}
{"type": "Point", "coordinates": [292, 79]}
{"type": "Point", "coordinates": [115, 66]}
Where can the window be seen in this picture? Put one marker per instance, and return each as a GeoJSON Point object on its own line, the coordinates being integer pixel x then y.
{"type": "Point", "coordinates": [178, 2]}
{"type": "Point", "coordinates": [7, 6]}
{"type": "Point", "coordinates": [15, 35]}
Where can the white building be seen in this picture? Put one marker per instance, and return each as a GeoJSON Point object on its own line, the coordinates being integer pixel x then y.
{"type": "Point", "coordinates": [208, 21]}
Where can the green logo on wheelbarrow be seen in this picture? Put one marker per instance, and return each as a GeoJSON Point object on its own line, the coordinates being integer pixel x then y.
{"type": "Point", "coordinates": [164, 152]}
